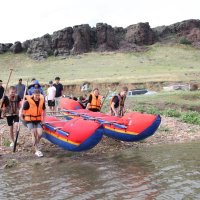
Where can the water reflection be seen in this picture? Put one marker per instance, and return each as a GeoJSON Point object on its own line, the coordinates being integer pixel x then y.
{"type": "Point", "coordinates": [167, 172]}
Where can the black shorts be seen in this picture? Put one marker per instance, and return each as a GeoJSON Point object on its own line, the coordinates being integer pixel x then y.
{"type": "Point", "coordinates": [51, 103]}
{"type": "Point", "coordinates": [12, 119]}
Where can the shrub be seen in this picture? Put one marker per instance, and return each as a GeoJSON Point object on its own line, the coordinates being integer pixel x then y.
{"type": "Point", "coordinates": [172, 113]}
{"type": "Point", "coordinates": [185, 41]}
{"type": "Point", "coordinates": [191, 117]}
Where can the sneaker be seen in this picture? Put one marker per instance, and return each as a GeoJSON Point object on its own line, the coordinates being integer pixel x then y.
{"type": "Point", "coordinates": [12, 144]}
{"type": "Point", "coordinates": [39, 153]}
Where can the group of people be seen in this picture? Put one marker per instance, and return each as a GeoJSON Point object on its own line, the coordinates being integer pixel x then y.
{"type": "Point", "coordinates": [27, 103]}
{"type": "Point", "coordinates": [95, 102]}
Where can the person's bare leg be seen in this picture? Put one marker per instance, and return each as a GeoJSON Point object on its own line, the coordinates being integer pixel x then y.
{"type": "Point", "coordinates": [34, 140]}
{"type": "Point", "coordinates": [11, 134]}
{"type": "Point", "coordinates": [39, 134]}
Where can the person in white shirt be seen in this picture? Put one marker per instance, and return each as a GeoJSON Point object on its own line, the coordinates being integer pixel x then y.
{"type": "Point", "coordinates": [51, 93]}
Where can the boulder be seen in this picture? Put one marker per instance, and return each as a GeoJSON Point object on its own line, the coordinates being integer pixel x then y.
{"type": "Point", "coordinates": [81, 36]}
{"type": "Point", "coordinates": [39, 48]}
{"type": "Point", "coordinates": [62, 41]}
{"type": "Point", "coordinates": [140, 34]}
{"type": "Point", "coordinates": [105, 37]}
{"type": "Point", "coordinates": [16, 47]}
{"type": "Point", "coordinates": [5, 47]}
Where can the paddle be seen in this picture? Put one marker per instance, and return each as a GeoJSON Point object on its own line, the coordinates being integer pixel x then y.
{"type": "Point", "coordinates": [18, 127]}
{"type": "Point", "coordinates": [104, 100]}
{"type": "Point", "coordinates": [2, 99]}
{"type": "Point", "coordinates": [99, 119]}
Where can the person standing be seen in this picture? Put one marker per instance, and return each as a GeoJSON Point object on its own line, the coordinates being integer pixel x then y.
{"type": "Point", "coordinates": [59, 92]}
{"type": "Point", "coordinates": [34, 86]}
{"type": "Point", "coordinates": [1, 95]}
{"type": "Point", "coordinates": [117, 103]}
{"type": "Point", "coordinates": [1, 89]}
{"type": "Point", "coordinates": [33, 113]}
{"type": "Point", "coordinates": [51, 93]}
{"type": "Point", "coordinates": [20, 88]}
{"type": "Point", "coordinates": [94, 101]}
{"type": "Point", "coordinates": [10, 110]}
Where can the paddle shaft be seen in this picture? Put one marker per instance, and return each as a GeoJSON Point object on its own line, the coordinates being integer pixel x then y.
{"type": "Point", "coordinates": [104, 100]}
{"type": "Point", "coordinates": [18, 127]}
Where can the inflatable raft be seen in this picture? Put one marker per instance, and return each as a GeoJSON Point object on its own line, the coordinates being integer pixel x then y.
{"type": "Point", "coordinates": [133, 126]}
{"type": "Point", "coordinates": [74, 135]}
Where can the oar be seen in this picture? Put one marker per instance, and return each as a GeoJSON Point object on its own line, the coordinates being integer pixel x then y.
{"type": "Point", "coordinates": [101, 121]}
{"type": "Point", "coordinates": [2, 99]}
{"type": "Point", "coordinates": [104, 100]}
{"type": "Point", "coordinates": [18, 127]}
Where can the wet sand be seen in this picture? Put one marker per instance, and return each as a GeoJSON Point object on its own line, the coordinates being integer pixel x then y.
{"type": "Point", "coordinates": [170, 131]}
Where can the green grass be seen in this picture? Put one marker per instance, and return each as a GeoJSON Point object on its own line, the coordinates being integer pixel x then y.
{"type": "Point", "coordinates": [178, 100]}
{"type": "Point", "coordinates": [184, 105]}
{"type": "Point", "coordinates": [159, 63]}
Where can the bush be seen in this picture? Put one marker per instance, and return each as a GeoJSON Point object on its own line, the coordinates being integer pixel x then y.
{"type": "Point", "coordinates": [192, 117]}
{"type": "Point", "coordinates": [172, 113]}
{"type": "Point", "coordinates": [185, 41]}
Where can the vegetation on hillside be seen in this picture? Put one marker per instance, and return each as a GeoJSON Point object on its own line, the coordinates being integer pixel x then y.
{"type": "Point", "coordinates": [158, 63]}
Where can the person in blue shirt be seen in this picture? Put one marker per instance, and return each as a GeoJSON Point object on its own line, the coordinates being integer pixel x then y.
{"type": "Point", "coordinates": [34, 86]}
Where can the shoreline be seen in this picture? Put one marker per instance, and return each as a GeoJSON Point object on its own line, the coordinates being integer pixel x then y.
{"type": "Point", "coordinates": [171, 131]}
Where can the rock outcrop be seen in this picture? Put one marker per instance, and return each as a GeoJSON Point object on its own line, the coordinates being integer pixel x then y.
{"type": "Point", "coordinates": [83, 38]}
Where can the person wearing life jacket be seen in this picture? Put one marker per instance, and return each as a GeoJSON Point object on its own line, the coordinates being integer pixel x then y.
{"type": "Point", "coordinates": [117, 103]}
{"type": "Point", "coordinates": [33, 113]}
{"type": "Point", "coordinates": [10, 110]}
{"type": "Point", "coordinates": [94, 101]}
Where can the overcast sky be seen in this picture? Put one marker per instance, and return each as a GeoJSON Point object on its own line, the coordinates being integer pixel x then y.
{"type": "Point", "coordinates": [27, 19]}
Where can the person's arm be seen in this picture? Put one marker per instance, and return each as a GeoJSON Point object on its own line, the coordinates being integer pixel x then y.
{"type": "Point", "coordinates": [5, 103]}
{"type": "Point", "coordinates": [44, 113]}
{"type": "Point", "coordinates": [61, 90]}
{"type": "Point", "coordinates": [113, 108]}
{"type": "Point", "coordinates": [89, 102]}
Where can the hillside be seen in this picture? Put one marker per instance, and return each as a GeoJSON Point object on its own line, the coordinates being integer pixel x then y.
{"type": "Point", "coordinates": [84, 39]}
{"type": "Point", "coordinates": [158, 63]}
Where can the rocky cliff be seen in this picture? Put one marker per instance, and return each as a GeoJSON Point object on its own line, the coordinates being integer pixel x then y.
{"type": "Point", "coordinates": [83, 38]}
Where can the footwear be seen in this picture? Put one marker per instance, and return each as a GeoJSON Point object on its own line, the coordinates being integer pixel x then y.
{"type": "Point", "coordinates": [39, 153]}
{"type": "Point", "coordinates": [12, 144]}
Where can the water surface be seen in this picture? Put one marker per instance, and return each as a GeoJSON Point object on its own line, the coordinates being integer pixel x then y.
{"type": "Point", "coordinates": [159, 172]}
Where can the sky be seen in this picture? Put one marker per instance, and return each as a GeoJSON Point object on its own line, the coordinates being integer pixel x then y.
{"type": "Point", "coordinates": [28, 19]}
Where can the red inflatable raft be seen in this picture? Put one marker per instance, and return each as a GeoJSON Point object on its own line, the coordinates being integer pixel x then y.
{"type": "Point", "coordinates": [133, 126]}
{"type": "Point", "coordinates": [74, 135]}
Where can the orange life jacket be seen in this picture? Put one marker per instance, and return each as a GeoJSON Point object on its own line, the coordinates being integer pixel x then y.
{"type": "Point", "coordinates": [34, 113]}
{"type": "Point", "coordinates": [96, 102]}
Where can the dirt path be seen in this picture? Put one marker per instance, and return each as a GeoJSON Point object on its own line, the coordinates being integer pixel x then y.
{"type": "Point", "coordinates": [170, 131]}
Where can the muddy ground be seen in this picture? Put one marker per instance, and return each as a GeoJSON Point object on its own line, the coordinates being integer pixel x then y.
{"type": "Point", "coordinates": [170, 131]}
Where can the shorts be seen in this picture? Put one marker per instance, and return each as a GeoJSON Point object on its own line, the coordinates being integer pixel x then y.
{"type": "Point", "coordinates": [12, 119]}
{"type": "Point", "coordinates": [51, 103]}
{"type": "Point", "coordinates": [31, 125]}
{"type": "Point", "coordinates": [57, 101]}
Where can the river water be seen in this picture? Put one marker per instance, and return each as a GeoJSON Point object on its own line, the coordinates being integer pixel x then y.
{"type": "Point", "coordinates": [158, 172]}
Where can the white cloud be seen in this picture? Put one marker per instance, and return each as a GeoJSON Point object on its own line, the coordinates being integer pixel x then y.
{"type": "Point", "coordinates": [26, 19]}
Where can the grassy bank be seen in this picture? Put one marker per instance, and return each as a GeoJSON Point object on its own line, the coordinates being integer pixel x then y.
{"type": "Point", "coordinates": [159, 63]}
{"type": "Point", "coordinates": [184, 105]}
